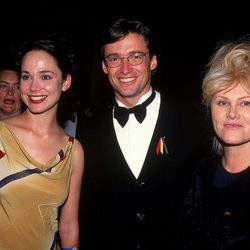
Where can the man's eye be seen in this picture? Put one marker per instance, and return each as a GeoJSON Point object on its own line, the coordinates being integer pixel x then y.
{"type": "Point", "coordinates": [3, 86]}
{"type": "Point", "coordinates": [136, 56]}
{"type": "Point", "coordinates": [113, 59]}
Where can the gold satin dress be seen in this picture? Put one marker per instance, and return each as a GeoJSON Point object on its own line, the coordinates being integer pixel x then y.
{"type": "Point", "coordinates": [30, 194]}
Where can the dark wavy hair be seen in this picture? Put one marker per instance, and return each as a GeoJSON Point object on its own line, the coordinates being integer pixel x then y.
{"type": "Point", "coordinates": [62, 51]}
{"type": "Point", "coordinates": [122, 27]}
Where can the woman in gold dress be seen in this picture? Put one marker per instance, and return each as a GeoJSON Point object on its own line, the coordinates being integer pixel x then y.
{"type": "Point", "coordinates": [41, 167]}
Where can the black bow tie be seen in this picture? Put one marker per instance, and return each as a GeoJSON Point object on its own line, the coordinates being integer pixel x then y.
{"type": "Point", "coordinates": [121, 114]}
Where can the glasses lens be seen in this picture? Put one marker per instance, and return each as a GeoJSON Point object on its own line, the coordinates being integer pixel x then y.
{"type": "Point", "coordinates": [113, 61]}
{"type": "Point", "coordinates": [4, 87]}
{"type": "Point", "coordinates": [136, 59]}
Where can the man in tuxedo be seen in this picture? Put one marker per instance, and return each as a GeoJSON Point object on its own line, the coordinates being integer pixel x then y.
{"type": "Point", "coordinates": [139, 154]}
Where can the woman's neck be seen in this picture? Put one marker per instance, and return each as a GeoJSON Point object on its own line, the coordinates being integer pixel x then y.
{"type": "Point", "coordinates": [236, 158]}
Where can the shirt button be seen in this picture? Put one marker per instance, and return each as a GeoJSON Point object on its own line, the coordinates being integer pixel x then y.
{"type": "Point", "coordinates": [227, 213]}
{"type": "Point", "coordinates": [140, 216]}
{"type": "Point", "coordinates": [140, 184]}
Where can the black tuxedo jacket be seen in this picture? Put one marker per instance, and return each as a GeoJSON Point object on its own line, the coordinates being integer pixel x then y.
{"type": "Point", "coordinates": [119, 211]}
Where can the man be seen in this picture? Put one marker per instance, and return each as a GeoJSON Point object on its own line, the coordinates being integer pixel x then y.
{"type": "Point", "coordinates": [136, 162]}
{"type": "Point", "coordinates": [10, 97]}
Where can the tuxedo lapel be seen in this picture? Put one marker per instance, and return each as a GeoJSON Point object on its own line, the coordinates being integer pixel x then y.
{"type": "Point", "coordinates": [159, 132]}
{"type": "Point", "coordinates": [167, 131]}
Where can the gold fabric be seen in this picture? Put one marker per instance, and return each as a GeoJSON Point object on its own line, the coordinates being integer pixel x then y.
{"type": "Point", "coordinates": [30, 194]}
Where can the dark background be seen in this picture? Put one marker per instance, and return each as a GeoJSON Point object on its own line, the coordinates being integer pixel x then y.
{"type": "Point", "coordinates": [187, 34]}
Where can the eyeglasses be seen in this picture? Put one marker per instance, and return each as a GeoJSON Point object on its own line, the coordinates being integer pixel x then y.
{"type": "Point", "coordinates": [5, 87]}
{"type": "Point", "coordinates": [133, 59]}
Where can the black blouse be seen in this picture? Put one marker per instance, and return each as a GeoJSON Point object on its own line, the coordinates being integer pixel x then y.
{"type": "Point", "coordinates": [216, 212]}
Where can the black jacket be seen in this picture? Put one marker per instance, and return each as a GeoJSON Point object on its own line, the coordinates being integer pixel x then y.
{"type": "Point", "coordinates": [119, 211]}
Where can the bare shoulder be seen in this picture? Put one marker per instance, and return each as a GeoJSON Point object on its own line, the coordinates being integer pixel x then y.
{"type": "Point", "coordinates": [78, 148]}
{"type": "Point", "coordinates": [13, 121]}
{"type": "Point", "coordinates": [78, 155]}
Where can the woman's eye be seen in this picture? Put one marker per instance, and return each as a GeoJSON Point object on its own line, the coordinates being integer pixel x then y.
{"type": "Point", "coordinates": [222, 103]}
{"type": "Point", "coordinates": [245, 103]}
{"type": "Point", "coordinates": [24, 77]}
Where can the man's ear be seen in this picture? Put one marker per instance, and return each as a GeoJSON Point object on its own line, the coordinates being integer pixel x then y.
{"type": "Point", "coordinates": [153, 62]}
{"type": "Point", "coordinates": [66, 83]}
{"type": "Point", "coordinates": [104, 68]}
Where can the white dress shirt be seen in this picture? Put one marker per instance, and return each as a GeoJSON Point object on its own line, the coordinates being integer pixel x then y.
{"type": "Point", "coordinates": [70, 126]}
{"type": "Point", "coordinates": [134, 138]}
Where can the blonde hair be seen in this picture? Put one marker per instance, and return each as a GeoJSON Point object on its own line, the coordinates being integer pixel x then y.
{"type": "Point", "coordinates": [229, 65]}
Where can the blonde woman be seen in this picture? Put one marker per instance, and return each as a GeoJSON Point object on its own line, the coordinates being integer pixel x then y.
{"type": "Point", "coordinates": [216, 212]}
